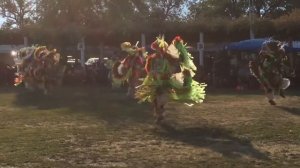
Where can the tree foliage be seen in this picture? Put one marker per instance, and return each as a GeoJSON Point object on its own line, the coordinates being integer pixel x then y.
{"type": "Point", "coordinates": [165, 9]}
{"type": "Point", "coordinates": [217, 8]}
{"type": "Point", "coordinates": [271, 8]}
{"type": "Point", "coordinates": [66, 21]}
{"type": "Point", "coordinates": [18, 13]}
{"type": "Point", "coordinates": [238, 8]}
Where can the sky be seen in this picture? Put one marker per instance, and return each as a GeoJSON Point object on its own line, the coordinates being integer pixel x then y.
{"type": "Point", "coordinates": [1, 20]}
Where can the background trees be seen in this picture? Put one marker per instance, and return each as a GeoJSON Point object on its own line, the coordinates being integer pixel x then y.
{"type": "Point", "coordinates": [64, 22]}
{"type": "Point", "coordinates": [18, 13]}
{"type": "Point", "coordinates": [215, 8]}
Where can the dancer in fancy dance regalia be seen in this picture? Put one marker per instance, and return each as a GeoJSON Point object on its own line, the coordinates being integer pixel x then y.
{"type": "Point", "coordinates": [39, 68]}
{"type": "Point", "coordinates": [130, 69]}
{"type": "Point", "coordinates": [169, 76]}
{"type": "Point", "coordinates": [272, 69]}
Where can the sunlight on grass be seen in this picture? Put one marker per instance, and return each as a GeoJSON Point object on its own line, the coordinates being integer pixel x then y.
{"type": "Point", "coordinates": [100, 127]}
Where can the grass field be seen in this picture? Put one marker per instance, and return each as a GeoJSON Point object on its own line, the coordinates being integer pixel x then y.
{"type": "Point", "coordinates": [100, 127]}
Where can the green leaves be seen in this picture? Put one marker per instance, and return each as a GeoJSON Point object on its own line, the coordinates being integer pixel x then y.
{"type": "Point", "coordinates": [18, 13]}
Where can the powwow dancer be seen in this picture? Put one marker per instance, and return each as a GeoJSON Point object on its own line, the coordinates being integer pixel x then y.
{"type": "Point", "coordinates": [163, 82]}
{"type": "Point", "coordinates": [38, 68]}
{"type": "Point", "coordinates": [271, 69]}
{"type": "Point", "coordinates": [131, 68]}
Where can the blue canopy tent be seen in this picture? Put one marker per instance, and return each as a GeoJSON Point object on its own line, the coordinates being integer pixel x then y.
{"type": "Point", "coordinates": [292, 49]}
{"type": "Point", "coordinates": [253, 45]}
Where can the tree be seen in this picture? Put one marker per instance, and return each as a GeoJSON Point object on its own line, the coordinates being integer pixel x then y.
{"type": "Point", "coordinates": [141, 6]}
{"type": "Point", "coordinates": [166, 9]}
{"type": "Point", "coordinates": [240, 8]}
{"type": "Point", "coordinates": [63, 12]}
{"type": "Point", "coordinates": [295, 3]}
{"type": "Point", "coordinates": [216, 8]}
{"type": "Point", "coordinates": [18, 13]}
{"type": "Point", "coordinates": [70, 19]}
{"type": "Point", "coordinates": [271, 8]}
{"type": "Point", "coordinates": [121, 16]}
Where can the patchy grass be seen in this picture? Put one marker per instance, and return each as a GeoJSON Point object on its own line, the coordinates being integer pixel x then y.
{"type": "Point", "coordinates": [100, 127]}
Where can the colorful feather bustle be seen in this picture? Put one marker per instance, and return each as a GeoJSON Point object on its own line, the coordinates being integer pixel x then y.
{"type": "Point", "coordinates": [271, 69]}
{"type": "Point", "coordinates": [119, 78]}
{"type": "Point", "coordinates": [38, 68]}
{"type": "Point", "coordinates": [185, 57]}
{"type": "Point", "coordinates": [160, 77]}
{"type": "Point", "coordinates": [128, 68]}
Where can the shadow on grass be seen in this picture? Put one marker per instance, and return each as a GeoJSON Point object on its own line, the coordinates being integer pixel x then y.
{"type": "Point", "coordinates": [254, 92]}
{"type": "Point", "coordinates": [216, 139]}
{"type": "Point", "coordinates": [232, 91]}
{"type": "Point", "coordinates": [9, 89]}
{"type": "Point", "coordinates": [291, 110]}
{"type": "Point", "coordinates": [104, 103]}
